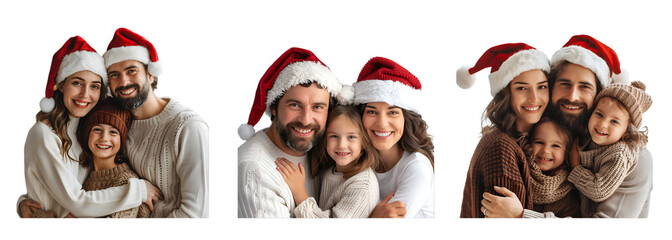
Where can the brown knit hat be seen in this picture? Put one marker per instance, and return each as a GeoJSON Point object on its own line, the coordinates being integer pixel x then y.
{"type": "Point", "coordinates": [106, 112]}
{"type": "Point", "coordinates": [631, 96]}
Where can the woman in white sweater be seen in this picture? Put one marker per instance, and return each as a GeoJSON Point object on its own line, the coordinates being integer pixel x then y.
{"type": "Point", "coordinates": [77, 80]}
{"type": "Point", "coordinates": [343, 159]}
{"type": "Point", "coordinates": [388, 96]}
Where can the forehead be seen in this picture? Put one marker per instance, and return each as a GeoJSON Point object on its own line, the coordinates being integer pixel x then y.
{"type": "Point", "coordinates": [85, 75]}
{"type": "Point", "coordinates": [613, 107]}
{"type": "Point", "coordinates": [310, 94]}
{"type": "Point", "coordinates": [123, 65]}
{"type": "Point", "coordinates": [548, 130]}
{"type": "Point", "coordinates": [342, 123]}
{"type": "Point", "coordinates": [576, 74]}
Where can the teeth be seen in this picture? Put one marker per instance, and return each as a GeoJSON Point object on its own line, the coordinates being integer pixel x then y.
{"type": "Point", "coordinates": [81, 103]}
{"type": "Point", "coordinates": [544, 159]}
{"type": "Point", "coordinates": [598, 131]}
{"type": "Point", "coordinates": [571, 107]}
{"type": "Point", "coordinates": [342, 154]}
{"type": "Point", "coordinates": [532, 109]}
{"type": "Point", "coordinates": [382, 134]}
{"type": "Point", "coordinates": [129, 91]}
{"type": "Point", "coordinates": [303, 131]}
{"type": "Point", "coordinates": [103, 147]}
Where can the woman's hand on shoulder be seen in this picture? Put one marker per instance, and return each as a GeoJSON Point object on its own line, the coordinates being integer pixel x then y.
{"type": "Point", "coordinates": [295, 177]}
{"type": "Point", "coordinates": [507, 206]}
{"type": "Point", "coordinates": [389, 210]}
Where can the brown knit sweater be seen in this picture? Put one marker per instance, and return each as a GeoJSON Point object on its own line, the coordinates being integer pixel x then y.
{"type": "Point", "coordinates": [497, 161]}
{"type": "Point", "coordinates": [98, 180]}
{"type": "Point", "coordinates": [554, 193]}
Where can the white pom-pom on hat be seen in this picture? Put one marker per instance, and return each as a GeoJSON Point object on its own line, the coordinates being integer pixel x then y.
{"type": "Point", "coordinates": [245, 131]}
{"type": "Point", "coordinates": [347, 95]}
{"type": "Point", "coordinates": [154, 68]}
{"type": "Point", "coordinates": [47, 104]}
{"type": "Point", "coordinates": [622, 78]}
{"type": "Point", "coordinates": [465, 79]}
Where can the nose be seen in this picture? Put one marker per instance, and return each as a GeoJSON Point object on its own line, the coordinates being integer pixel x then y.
{"type": "Point", "coordinates": [305, 116]}
{"type": "Point", "coordinates": [573, 94]}
{"type": "Point", "coordinates": [343, 142]}
{"type": "Point", "coordinates": [85, 91]}
{"type": "Point", "coordinates": [533, 96]}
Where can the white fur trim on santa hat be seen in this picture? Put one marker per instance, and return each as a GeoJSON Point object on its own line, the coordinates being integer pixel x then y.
{"type": "Point", "coordinates": [518, 63]}
{"type": "Point", "coordinates": [120, 54]}
{"type": "Point", "coordinates": [245, 131]}
{"type": "Point", "coordinates": [465, 79]}
{"type": "Point", "coordinates": [585, 58]}
{"type": "Point", "coordinates": [47, 104]}
{"type": "Point", "coordinates": [81, 61]}
{"type": "Point", "coordinates": [388, 91]}
{"type": "Point", "coordinates": [302, 72]}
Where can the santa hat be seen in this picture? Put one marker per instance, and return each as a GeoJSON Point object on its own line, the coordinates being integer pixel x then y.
{"type": "Point", "coordinates": [75, 55]}
{"type": "Point", "coordinates": [506, 62]}
{"type": "Point", "coordinates": [127, 45]}
{"type": "Point", "coordinates": [383, 80]}
{"type": "Point", "coordinates": [294, 67]}
{"type": "Point", "coordinates": [587, 52]}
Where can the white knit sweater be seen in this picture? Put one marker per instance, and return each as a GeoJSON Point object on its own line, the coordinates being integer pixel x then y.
{"type": "Point", "coordinates": [262, 193]}
{"type": "Point", "coordinates": [171, 151]}
{"type": "Point", "coordinates": [412, 179]}
{"type": "Point", "coordinates": [56, 181]}
{"type": "Point", "coordinates": [354, 197]}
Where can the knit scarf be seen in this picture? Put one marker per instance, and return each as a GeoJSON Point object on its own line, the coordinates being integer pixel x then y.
{"type": "Point", "coordinates": [548, 189]}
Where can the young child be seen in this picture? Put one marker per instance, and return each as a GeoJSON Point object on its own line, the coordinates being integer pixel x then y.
{"type": "Point", "coordinates": [611, 155]}
{"type": "Point", "coordinates": [548, 148]}
{"type": "Point", "coordinates": [102, 135]}
{"type": "Point", "coordinates": [345, 158]}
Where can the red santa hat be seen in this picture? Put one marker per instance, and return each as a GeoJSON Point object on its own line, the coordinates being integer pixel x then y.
{"type": "Point", "coordinates": [75, 55]}
{"type": "Point", "coordinates": [587, 52]}
{"type": "Point", "coordinates": [506, 62]}
{"type": "Point", "coordinates": [127, 45]}
{"type": "Point", "coordinates": [294, 67]}
{"type": "Point", "coordinates": [383, 80]}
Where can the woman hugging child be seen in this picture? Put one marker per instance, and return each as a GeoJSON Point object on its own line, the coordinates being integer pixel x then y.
{"type": "Point", "coordinates": [103, 138]}
{"type": "Point", "coordinates": [344, 158]}
{"type": "Point", "coordinates": [602, 165]}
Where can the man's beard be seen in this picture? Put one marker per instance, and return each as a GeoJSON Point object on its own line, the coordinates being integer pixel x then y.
{"type": "Point", "coordinates": [133, 102]}
{"type": "Point", "coordinates": [573, 122]}
{"type": "Point", "coordinates": [298, 144]}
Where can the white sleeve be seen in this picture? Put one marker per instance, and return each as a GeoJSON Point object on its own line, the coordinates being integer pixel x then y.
{"type": "Point", "coordinates": [415, 187]}
{"type": "Point", "coordinates": [259, 195]}
{"type": "Point", "coordinates": [192, 169]}
{"type": "Point", "coordinates": [50, 171]}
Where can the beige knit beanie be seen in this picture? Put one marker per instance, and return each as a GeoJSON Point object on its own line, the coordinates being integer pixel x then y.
{"type": "Point", "coordinates": [631, 96]}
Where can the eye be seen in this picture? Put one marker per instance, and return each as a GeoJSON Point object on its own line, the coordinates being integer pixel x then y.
{"type": "Point", "coordinates": [586, 87]}
{"type": "Point", "coordinates": [352, 137]}
{"type": "Point", "coordinates": [96, 130]}
{"type": "Point", "coordinates": [393, 112]}
{"type": "Point", "coordinates": [333, 136]}
{"type": "Point", "coordinates": [114, 132]}
{"type": "Point", "coordinates": [132, 71]}
{"type": "Point", "coordinates": [615, 122]}
{"type": "Point", "coordinates": [598, 114]}
{"type": "Point", "coordinates": [542, 87]}
{"type": "Point", "coordinates": [521, 88]}
{"type": "Point", "coordinates": [95, 86]}
{"type": "Point", "coordinates": [113, 75]}
{"type": "Point", "coordinates": [318, 107]}
{"type": "Point", "coordinates": [371, 112]}
{"type": "Point", "coordinates": [539, 142]}
{"type": "Point", "coordinates": [556, 146]}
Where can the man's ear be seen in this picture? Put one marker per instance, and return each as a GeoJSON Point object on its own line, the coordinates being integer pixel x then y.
{"type": "Point", "coordinates": [150, 78]}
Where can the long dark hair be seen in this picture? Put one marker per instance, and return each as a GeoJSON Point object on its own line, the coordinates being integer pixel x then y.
{"type": "Point", "coordinates": [368, 158]}
{"type": "Point", "coordinates": [499, 115]}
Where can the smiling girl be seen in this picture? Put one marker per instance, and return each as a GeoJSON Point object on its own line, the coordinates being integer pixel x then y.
{"type": "Point", "coordinates": [344, 159]}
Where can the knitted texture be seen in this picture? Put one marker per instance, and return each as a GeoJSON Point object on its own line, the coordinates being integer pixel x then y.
{"type": "Point", "coordinates": [497, 161]}
{"type": "Point", "coordinates": [98, 180]}
{"type": "Point", "coordinates": [633, 97]}
{"type": "Point", "coordinates": [41, 213]}
{"type": "Point", "coordinates": [355, 197]}
{"type": "Point", "coordinates": [160, 147]}
{"type": "Point", "coordinates": [548, 189]}
{"type": "Point", "coordinates": [603, 169]}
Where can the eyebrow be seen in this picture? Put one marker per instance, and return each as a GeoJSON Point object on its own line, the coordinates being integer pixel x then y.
{"type": "Point", "coordinates": [391, 107]}
{"type": "Point", "coordinates": [580, 82]}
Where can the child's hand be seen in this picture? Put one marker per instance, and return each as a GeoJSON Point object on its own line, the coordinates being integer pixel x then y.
{"type": "Point", "coordinates": [574, 158]}
{"type": "Point", "coordinates": [294, 177]}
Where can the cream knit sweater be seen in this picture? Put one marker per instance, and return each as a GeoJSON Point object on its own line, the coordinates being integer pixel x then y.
{"type": "Point", "coordinates": [56, 182]}
{"type": "Point", "coordinates": [354, 197]}
{"type": "Point", "coordinates": [117, 176]}
{"type": "Point", "coordinates": [171, 151]}
{"type": "Point", "coordinates": [262, 193]}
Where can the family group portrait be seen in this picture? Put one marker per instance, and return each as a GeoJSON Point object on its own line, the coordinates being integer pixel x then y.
{"type": "Point", "coordinates": [103, 144]}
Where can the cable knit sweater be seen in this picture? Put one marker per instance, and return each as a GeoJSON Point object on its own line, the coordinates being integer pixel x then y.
{"type": "Point", "coordinates": [262, 193]}
{"type": "Point", "coordinates": [98, 180]}
{"type": "Point", "coordinates": [171, 151]}
{"type": "Point", "coordinates": [55, 181]}
{"type": "Point", "coordinates": [354, 197]}
{"type": "Point", "coordinates": [603, 169]}
{"type": "Point", "coordinates": [497, 161]}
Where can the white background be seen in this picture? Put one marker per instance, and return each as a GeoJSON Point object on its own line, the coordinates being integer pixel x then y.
{"type": "Point", "coordinates": [214, 53]}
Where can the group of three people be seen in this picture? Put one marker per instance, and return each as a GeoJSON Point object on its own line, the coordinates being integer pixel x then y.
{"type": "Point", "coordinates": [84, 154]}
{"type": "Point", "coordinates": [581, 154]}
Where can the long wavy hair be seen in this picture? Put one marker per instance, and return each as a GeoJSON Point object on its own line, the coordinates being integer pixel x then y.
{"type": "Point", "coordinates": [368, 158]}
{"type": "Point", "coordinates": [415, 137]}
{"type": "Point", "coordinates": [59, 117]}
{"type": "Point", "coordinates": [499, 115]}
